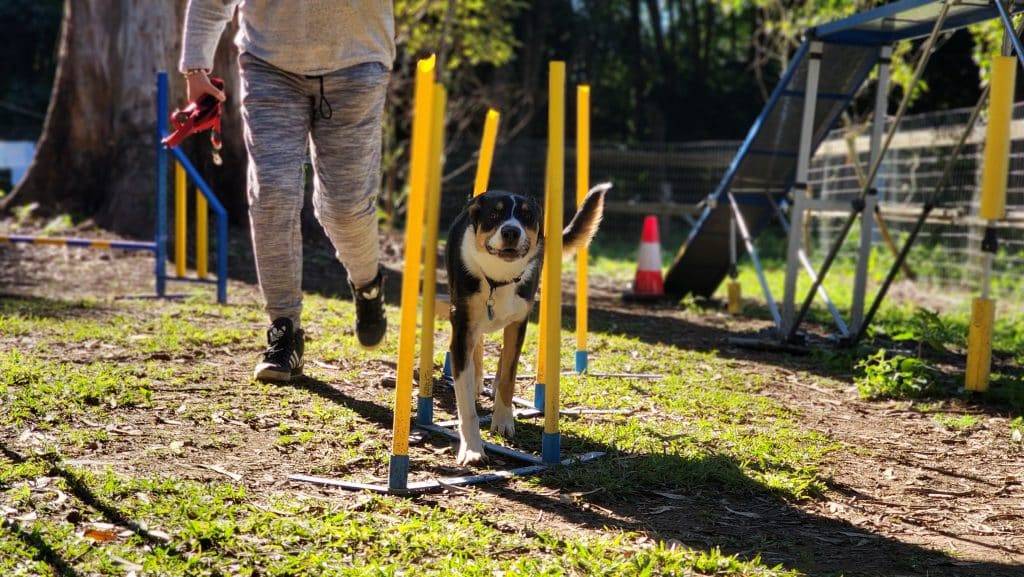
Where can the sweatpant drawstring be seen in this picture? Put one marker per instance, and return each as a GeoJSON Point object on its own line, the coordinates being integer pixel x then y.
{"type": "Point", "coordinates": [324, 107]}
{"type": "Point", "coordinates": [326, 112]}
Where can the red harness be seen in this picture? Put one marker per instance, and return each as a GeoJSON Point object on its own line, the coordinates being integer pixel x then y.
{"type": "Point", "coordinates": [198, 116]}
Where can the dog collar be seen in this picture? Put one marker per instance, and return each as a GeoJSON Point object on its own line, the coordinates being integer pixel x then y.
{"type": "Point", "coordinates": [494, 285]}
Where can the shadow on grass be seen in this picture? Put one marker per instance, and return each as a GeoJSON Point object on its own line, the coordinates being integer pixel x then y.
{"type": "Point", "coordinates": [90, 499]}
{"type": "Point", "coordinates": [702, 501]}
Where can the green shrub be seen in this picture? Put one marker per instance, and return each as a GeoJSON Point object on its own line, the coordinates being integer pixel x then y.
{"type": "Point", "coordinates": [895, 377]}
{"type": "Point", "coordinates": [928, 329]}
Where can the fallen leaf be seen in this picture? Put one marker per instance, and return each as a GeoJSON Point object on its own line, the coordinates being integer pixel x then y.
{"type": "Point", "coordinates": [100, 535]}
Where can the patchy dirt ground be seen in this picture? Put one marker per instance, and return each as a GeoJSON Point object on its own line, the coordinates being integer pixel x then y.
{"type": "Point", "coordinates": [901, 492]}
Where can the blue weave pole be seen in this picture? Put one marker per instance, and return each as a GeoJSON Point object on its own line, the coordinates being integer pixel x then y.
{"type": "Point", "coordinates": [160, 231]}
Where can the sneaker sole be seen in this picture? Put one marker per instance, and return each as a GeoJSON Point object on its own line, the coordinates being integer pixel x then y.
{"type": "Point", "coordinates": [372, 347]}
{"type": "Point", "coordinates": [268, 375]}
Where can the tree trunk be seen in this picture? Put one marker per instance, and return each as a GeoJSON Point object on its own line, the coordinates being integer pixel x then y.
{"type": "Point", "coordinates": [96, 153]}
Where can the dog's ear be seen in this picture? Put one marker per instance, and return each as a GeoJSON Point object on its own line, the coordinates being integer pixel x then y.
{"type": "Point", "coordinates": [473, 210]}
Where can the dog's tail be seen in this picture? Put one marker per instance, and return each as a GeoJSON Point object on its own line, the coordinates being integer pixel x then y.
{"type": "Point", "coordinates": [583, 226]}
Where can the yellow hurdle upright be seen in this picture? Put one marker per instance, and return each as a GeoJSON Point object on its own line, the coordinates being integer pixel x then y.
{"type": "Point", "coordinates": [425, 401]}
{"type": "Point", "coordinates": [994, 176]}
{"type": "Point", "coordinates": [551, 301]}
{"type": "Point", "coordinates": [487, 144]}
{"type": "Point", "coordinates": [419, 174]}
{"type": "Point", "coordinates": [202, 235]}
{"type": "Point", "coordinates": [180, 219]}
{"type": "Point", "coordinates": [582, 187]}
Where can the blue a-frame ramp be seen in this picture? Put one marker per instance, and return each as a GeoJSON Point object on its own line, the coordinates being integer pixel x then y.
{"type": "Point", "coordinates": [764, 167]}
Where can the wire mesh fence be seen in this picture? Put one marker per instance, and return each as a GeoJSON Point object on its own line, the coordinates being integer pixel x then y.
{"type": "Point", "coordinates": [667, 179]}
{"type": "Point", "coordinates": [948, 251]}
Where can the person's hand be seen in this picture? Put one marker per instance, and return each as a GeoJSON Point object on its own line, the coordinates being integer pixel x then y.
{"type": "Point", "coordinates": [199, 85]}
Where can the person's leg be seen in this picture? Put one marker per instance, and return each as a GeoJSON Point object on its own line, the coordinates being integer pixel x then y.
{"type": "Point", "coordinates": [276, 112]}
{"type": "Point", "coordinates": [346, 153]}
{"type": "Point", "coordinates": [345, 149]}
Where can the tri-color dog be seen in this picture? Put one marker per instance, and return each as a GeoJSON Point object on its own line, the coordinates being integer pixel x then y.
{"type": "Point", "coordinates": [494, 256]}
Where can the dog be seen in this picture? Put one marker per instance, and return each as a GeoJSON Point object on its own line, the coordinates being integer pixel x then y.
{"type": "Point", "coordinates": [494, 256]}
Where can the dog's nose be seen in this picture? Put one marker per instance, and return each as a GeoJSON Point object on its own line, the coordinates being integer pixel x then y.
{"type": "Point", "coordinates": [510, 233]}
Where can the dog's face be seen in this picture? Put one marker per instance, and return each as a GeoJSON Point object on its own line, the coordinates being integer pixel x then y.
{"type": "Point", "coordinates": [506, 225]}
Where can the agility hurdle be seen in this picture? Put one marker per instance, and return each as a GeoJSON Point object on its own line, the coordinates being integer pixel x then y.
{"type": "Point", "coordinates": [204, 198]}
{"type": "Point", "coordinates": [421, 233]}
{"type": "Point", "coordinates": [184, 171]}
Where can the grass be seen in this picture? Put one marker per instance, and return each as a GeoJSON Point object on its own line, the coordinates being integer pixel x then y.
{"type": "Point", "coordinates": [221, 529]}
{"type": "Point", "coordinates": [705, 425]}
{"type": "Point", "coordinates": [957, 422]}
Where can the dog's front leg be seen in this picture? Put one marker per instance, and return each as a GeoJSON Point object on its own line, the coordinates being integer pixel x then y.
{"type": "Point", "coordinates": [478, 364]}
{"type": "Point", "coordinates": [471, 446]}
{"type": "Point", "coordinates": [503, 420]}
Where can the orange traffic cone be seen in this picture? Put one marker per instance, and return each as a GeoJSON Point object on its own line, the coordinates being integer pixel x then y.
{"type": "Point", "coordinates": [648, 284]}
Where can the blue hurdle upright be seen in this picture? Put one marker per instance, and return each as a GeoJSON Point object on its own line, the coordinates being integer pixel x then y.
{"type": "Point", "coordinates": [184, 170]}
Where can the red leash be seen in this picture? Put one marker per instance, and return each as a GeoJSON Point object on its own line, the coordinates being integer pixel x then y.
{"type": "Point", "coordinates": [198, 116]}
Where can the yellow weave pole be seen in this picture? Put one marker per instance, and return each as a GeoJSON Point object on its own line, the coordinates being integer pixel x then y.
{"type": "Point", "coordinates": [993, 208]}
{"type": "Point", "coordinates": [552, 303]}
{"type": "Point", "coordinates": [582, 187]}
{"type": "Point", "coordinates": [180, 219]}
{"type": "Point", "coordinates": [425, 401]}
{"type": "Point", "coordinates": [483, 167]}
{"type": "Point", "coordinates": [202, 235]}
{"type": "Point", "coordinates": [419, 175]}
{"type": "Point", "coordinates": [538, 393]}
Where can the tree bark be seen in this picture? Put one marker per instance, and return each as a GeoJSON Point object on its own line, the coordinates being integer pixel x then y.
{"type": "Point", "coordinates": [96, 154]}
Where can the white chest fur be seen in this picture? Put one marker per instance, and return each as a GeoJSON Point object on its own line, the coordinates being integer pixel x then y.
{"type": "Point", "coordinates": [508, 306]}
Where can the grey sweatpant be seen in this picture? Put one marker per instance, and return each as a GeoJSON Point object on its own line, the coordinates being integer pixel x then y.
{"type": "Point", "coordinates": [283, 113]}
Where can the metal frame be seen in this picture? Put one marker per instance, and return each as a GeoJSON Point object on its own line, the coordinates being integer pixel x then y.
{"type": "Point", "coordinates": [798, 190]}
{"type": "Point", "coordinates": [857, 207]}
{"type": "Point", "coordinates": [860, 279]}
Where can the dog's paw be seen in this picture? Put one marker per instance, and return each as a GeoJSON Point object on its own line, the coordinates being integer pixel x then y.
{"type": "Point", "coordinates": [503, 422]}
{"type": "Point", "coordinates": [471, 455]}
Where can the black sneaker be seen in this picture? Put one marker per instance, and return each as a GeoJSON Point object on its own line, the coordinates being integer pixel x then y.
{"type": "Point", "coordinates": [283, 358]}
{"type": "Point", "coordinates": [371, 323]}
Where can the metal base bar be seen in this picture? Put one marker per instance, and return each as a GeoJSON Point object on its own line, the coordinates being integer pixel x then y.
{"type": "Point", "coordinates": [748, 242]}
{"type": "Point", "coordinates": [97, 243]}
{"type": "Point", "coordinates": [445, 482]}
{"type": "Point", "coordinates": [192, 279]}
{"type": "Point", "coordinates": [496, 449]}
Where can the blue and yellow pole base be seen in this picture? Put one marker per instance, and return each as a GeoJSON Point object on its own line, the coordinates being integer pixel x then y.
{"type": "Point", "coordinates": [551, 448]}
{"type": "Point", "coordinates": [538, 396]}
{"type": "Point", "coordinates": [398, 473]}
{"type": "Point", "coordinates": [582, 362]}
{"type": "Point", "coordinates": [424, 410]}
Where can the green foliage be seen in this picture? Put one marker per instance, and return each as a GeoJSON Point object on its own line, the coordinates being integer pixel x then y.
{"type": "Point", "coordinates": [957, 422]}
{"type": "Point", "coordinates": [928, 329]}
{"type": "Point", "coordinates": [893, 377]}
